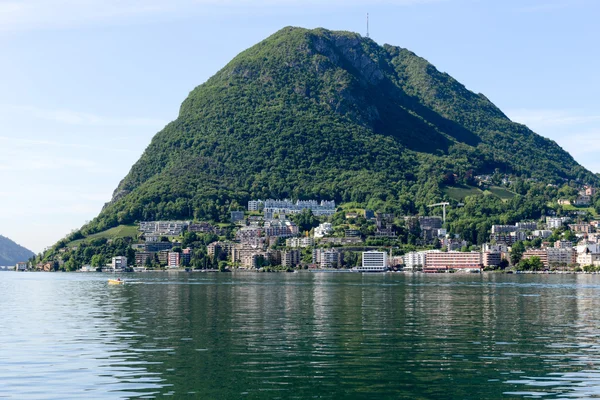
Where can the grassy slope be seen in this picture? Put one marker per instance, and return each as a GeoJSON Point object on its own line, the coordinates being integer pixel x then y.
{"type": "Point", "coordinates": [120, 231]}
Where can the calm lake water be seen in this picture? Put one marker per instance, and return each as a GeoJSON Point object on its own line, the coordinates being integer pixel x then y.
{"type": "Point", "coordinates": [307, 335]}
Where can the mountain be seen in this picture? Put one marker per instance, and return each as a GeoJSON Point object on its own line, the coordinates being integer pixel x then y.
{"type": "Point", "coordinates": [11, 253]}
{"type": "Point", "coordinates": [318, 114]}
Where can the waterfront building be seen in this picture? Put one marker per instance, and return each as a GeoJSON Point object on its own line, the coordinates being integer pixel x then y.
{"type": "Point", "coordinates": [374, 261]}
{"type": "Point", "coordinates": [141, 257]}
{"type": "Point", "coordinates": [327, 258]}
{"type": "Point", "coordinates": [414, 260]}
{"type": "Point", "coordinates": [219, 247]}
{"type": "Point", "coordinates": [21, 266]}
{"type": "Point", "coordinates": [119, 263]}
{"type": "Point", "coordinates": [290, 258]}
{"type": "Point", "coordinates": [492, 258]}
{"type": "Point", "coordinates": [173, 260]}
{"type": "Point", "coordinates": [438, 261]}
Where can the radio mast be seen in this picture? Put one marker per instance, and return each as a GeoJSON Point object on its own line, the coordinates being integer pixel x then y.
{"type": "Point", "coordinates": [367, 24]}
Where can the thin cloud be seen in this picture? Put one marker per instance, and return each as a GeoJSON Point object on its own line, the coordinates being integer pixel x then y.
{"type": "Point", "coordinates": [544, 118]}
{"type": "Point", "coordinates": [549, 6]}
{"type": "Point", "coordinates": [40, 14]}
{"type": "Point", "coordinates": [72, 117]}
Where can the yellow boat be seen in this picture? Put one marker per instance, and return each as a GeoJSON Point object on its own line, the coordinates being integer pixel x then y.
{"type": "Point", "coordinates": [115, 282]}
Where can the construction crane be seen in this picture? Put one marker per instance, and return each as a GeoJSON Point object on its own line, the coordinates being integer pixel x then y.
{"type": "Point", "coordinates": [443, 206]}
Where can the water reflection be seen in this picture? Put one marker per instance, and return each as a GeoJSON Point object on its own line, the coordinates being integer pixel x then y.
{"type": "Point", "coordinates": [299, 336]}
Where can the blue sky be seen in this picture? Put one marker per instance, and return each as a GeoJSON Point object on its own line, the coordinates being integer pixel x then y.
{"type": "Point", "coordinates": [87, 83]}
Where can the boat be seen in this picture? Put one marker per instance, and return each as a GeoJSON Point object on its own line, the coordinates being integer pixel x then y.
{"type": "Point", "coordinates": [116, 282]}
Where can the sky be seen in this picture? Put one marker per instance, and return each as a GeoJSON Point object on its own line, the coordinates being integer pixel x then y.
{"type": "Point", "coordinates": [86, 84]}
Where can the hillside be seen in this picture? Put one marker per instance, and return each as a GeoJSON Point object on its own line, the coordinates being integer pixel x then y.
{"type": "Point", "coordinates": [328, 115]}
{"type": "Point", "coordinates": [11, 253]}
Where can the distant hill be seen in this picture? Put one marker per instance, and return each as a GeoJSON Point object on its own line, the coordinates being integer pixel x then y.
{"type": "Point", "coordinates": [317, 114]}
{"type": "Point", "coordinates": [12, 253]}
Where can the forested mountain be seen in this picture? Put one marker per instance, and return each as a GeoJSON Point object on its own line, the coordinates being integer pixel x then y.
{"type": "Point", "coordinates": [317, 114]}
{"type": "Point", "coordinates": [11, 253]}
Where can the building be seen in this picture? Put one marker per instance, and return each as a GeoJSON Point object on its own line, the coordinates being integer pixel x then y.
{"type": "Point", "coordinates": [327, 258]}
{"type": "Point", "coordinates": [414, 260]}
{"type": "Point", "coordinates": [438, 261]}
{"type": "Point", "coordinates": [219, 248]}
{"type": "Point", "coordinates": [497, 248]}
{"type": "Point", "coordinates": [164, 228]}
{"type": "Point", "coordinates": [255, 205]}
{"type": "Point", "coordinates": [508, 239]}
{"type": "Point", "coordinates": [163, 257]}
{"type": "Point", "coordinates": [590, 191]}
{"type": "Point", "coordinates": [341, 240]}
{"type": "Point", "coordinates": [119, 263]}
{"type": "Point", "coordinates": [290, 258]}
{"type": "Point", "coordinates": [173, 260]}
{"type": "Point", "coordinates": [583, 200]}
{"type": "Point", "coordinates": [563, 244]}
{"type": "Point", "coordinates": [492, 258]}
{"type": "Point", "coordinates": [300, 242]}
{"type": "Point", "coordinates": [504, 228]}
{"type": "Point", "coordinates": [142, 257]}
{"type": "Point", "coordinates": [248, 232]}
{"type": "Point", "coordinates": [453, 244]}
{"type": "Point", "coordinates": [280, 228]}
{"type": "Point", "coordinates": [375, 261]}
{"type": "Point", "coordinates": [581, 228]}
{"type": "Point", "coordinates": [351, 233]}
{"type": "Point", "coordinates": [323, 229]}
{"type": "Point", "coordinates": [237, 216]}
{"type": "Point", "coordinates": [555, 222]}
{"type": "Point", "coordinates": [369, 214]}
{"type": "Point", "coordinates": [587, 257]}
{"type": "Point", "coordinates": [544, 234]}
{"type": "Point", "coordinates": [157, 246]}
{"type": "Point", "coordinates": [21, 266]}
{"type": "Point", "coordinates": [541, 254]}
{"type": "Point", "coordinates": [185, 258]}
{"type": "Point", "coordinates": [385, 225]}
{"type": "Point", "coordinates": [526, 226]}
{"type": "Point", "coordinates": [286, 206]}
{"type": "Point", "coordinates": [561, 256]}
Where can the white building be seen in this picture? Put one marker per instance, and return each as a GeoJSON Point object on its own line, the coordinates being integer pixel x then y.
{"type": "Point", "coordinates": [414, 260]}
{"type": "Point", "coordinates": [374, 261]}
{"type": "Point", "coordinates": [323, 230]}
{"type": "Point", "coordinates": [327, 258]}
{"type": "Point", "coordinates": [300, 242]}
{"type": "Point", "coordinates": [119, 263]}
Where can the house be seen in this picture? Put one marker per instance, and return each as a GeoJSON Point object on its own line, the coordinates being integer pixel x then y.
{"type": "Point", "coordinates": [21, 266]}
{"type": "Point", "coordinates": [581, 228]}
{"type": "Point", "coordinates": [583, 201]}
{"type": "Point", "coordinates": [564, 202]}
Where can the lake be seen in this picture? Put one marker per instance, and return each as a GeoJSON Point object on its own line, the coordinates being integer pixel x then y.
{"type": "Point", "coordinates": [299, 336]}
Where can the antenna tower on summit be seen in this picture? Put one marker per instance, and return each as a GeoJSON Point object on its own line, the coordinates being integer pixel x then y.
{"type": "Point", "coordinates": [367, 24]}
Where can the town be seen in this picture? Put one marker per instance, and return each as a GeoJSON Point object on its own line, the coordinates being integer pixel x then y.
{"type": "Point", "coordinates": [284, 235]}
